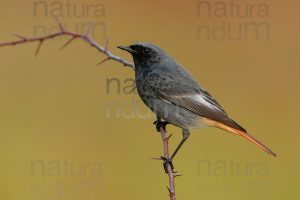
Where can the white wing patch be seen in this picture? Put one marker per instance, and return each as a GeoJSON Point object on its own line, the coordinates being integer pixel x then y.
{"type": "Point", "coordinates": [199, 98]}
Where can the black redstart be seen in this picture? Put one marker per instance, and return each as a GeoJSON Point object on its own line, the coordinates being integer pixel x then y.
{"type": "Point", "coordinates": [174, 96]}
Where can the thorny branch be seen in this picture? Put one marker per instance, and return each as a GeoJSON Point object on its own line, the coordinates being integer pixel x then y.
{"type": "Point", "coordinates": [109, 56]}
{"type": "Point", "coordinates": [169, 167]}
{"type": "Point", "coordinates": [73, 36]}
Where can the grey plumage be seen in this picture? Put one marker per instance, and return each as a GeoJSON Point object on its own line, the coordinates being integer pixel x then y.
{"type": "Point", "coordinates": [171, 92]}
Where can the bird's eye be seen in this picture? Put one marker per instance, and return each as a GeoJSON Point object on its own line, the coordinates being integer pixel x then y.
{"type": "Point", "coordinates": [145, 51]}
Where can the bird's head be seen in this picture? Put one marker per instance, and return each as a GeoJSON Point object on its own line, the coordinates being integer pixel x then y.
{"type": "Point", "coordinates": [144, 54]}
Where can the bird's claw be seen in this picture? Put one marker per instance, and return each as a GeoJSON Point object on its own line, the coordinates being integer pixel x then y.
{"type": "Point", "coordinates": [160, 124]}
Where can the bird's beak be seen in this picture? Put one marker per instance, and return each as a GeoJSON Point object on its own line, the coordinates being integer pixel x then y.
{"type": "Point", "coordinates": [127, 49]}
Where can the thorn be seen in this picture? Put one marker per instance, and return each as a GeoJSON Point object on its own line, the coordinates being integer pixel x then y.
{"type": "Point", "coordinates": [59, 24]}
{"type": "Point", "coordinates": [156, 158]}
{"type": "Point", "coordinates": [169, 136]}
{"type": "Point", "coordinates": [103, 61]}
{"type": "Point", "coordinates": [163, 158]}
{"type": "Point", "coordinates": [39, 47]}
{"type": "Point", "coordinates": [175, 176]}
{"type": "Point", "coordinates": [169, 191]}
{"type": "Point", "coordinates": [106, 44]}
{"type": "Point", "coordinates": [88, 31]}
{"type": "Point", "coordinates": [20, 36]}
{"type": "Point", "coordinates": [68, 42]}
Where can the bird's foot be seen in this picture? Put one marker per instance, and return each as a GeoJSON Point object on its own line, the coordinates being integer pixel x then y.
{"type": "Point", "coordinates": [160, 124]}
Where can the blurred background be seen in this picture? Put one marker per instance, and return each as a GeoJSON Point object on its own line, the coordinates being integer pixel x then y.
{"type": "Point", "coordinates": [72, 130]}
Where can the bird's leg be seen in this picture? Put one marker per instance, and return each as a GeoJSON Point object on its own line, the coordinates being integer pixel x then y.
{"type": "Point", "coordinates": [185, 135]}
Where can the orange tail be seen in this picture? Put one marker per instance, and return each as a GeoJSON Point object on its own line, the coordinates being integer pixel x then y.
{"type": "Point", "coordinates": [255, 141]}
{"type": "Point", "coordinates": [238, 132]}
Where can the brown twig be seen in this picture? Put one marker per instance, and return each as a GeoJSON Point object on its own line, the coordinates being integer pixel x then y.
{"type": "Point", "coordinates": [169, 169]}
{"type": "Point", "coordinates": [110, 56]}
{"type": "Point", "coordinates": [73, 36]}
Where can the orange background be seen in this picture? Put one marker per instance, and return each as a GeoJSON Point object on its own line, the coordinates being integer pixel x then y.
{"type": "Point", "coordinates": [54, 106]}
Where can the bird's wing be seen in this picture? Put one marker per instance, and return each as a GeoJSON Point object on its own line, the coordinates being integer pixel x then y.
{"type": "Point", "coordinates": [194, 99]}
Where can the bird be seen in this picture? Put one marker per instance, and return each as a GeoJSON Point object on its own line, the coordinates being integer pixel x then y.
{"type": "Point", "coordinates": [171, 92]}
